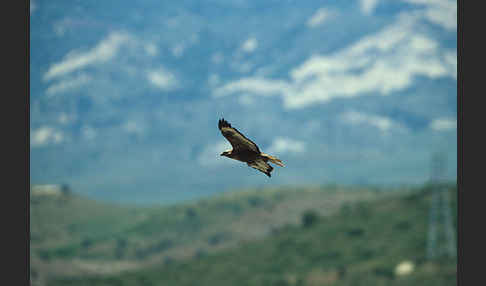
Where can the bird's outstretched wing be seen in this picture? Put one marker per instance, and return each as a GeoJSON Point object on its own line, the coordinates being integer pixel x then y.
{"type": "Point", "coordinates": [261, 166]}
{"type": "Point", "coordinates": [239, 142]}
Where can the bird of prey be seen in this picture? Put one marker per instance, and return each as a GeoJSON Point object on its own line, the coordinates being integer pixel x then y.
{"type": "Point", "coordinates": [245, 150]}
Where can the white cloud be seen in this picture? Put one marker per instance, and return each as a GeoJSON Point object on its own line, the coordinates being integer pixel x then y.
{"type": "Point", "coordinates": [67, 84]}
{"type": "Point", "coordinates": [106, 50]}
{"type": "Point", "coordinates": [44, 136]}
{"type": "Point", "coordinates": [319, 17]}
{"type": "Point", "coordinates": [254, 85]}
{"type": "Point", "coordinates": [380, 63]}
{"type": "Point", "coordinates": [444, 14]}
{"type": "Point", "coordinates": [151, 49]}
{"type": "Point", "coordinates": [134, 127]}
{"type": "Point", "coordinates": [246, 99]}
{"type": "Point", "coordinates": [443, 124]}
{"type": "Point", "coordinates": [368, 6]}
{"type": "Point", "coordinates": [33, 6]}
{"type": "Point", "coordinates": [179, 48]}
{"type": "Point", "coordinates": [357, 118]}
{"type": "Point", "coordinates": [162, 79]}
{"type": "Point", "coordinates": [285, 145]}
{"type": "Point", "coordinates": [450, 57]}
{"type": "Point", "coordinates": [440, 12]}
{"type": "Point", "coordinates": [65, 118]}
{"type": "Point", "coordinates": [249, 45]}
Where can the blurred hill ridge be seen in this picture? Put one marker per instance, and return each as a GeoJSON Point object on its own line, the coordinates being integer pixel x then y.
{"type": "Point", "coordinates": [288, 234]}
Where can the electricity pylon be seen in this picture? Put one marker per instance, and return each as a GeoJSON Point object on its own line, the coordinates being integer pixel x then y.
{"type": "Point", "coordinates": [440, 239]}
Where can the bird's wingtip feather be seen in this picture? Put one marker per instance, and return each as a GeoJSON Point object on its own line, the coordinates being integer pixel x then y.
{"type": "Point", "coordinates": [223, 123]}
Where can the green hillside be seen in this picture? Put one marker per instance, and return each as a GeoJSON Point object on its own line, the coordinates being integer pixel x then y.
{"type": "Point", "coordinates": [76, 236]}
{"type": "Point", "coordinates": [361, 243]}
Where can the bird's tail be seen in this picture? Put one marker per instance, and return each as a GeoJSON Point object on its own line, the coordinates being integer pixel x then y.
{"type": "Point", "coordinates": [273, 159]}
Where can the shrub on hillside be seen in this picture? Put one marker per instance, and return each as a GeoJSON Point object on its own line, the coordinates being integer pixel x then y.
{"type": "Point", "coordinates": [309, 218]}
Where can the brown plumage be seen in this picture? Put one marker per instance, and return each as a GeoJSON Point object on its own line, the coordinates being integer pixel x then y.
{"type": "Point", "coordinates": [245, 150]}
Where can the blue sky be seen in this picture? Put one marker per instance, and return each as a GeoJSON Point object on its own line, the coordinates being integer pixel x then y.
{"type": "Point", "coordinates": [125, 96]}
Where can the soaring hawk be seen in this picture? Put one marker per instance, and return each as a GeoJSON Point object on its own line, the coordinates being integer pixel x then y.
{"type": "Point", "coordinates": [245, 150]}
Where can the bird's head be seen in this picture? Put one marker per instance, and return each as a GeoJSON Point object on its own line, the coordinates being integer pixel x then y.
{"type": "Point", "coordinates": [226, 153]}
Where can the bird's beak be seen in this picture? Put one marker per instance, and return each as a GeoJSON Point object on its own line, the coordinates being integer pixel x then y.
{"type": "Point", "coordinates": [222, 154]}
